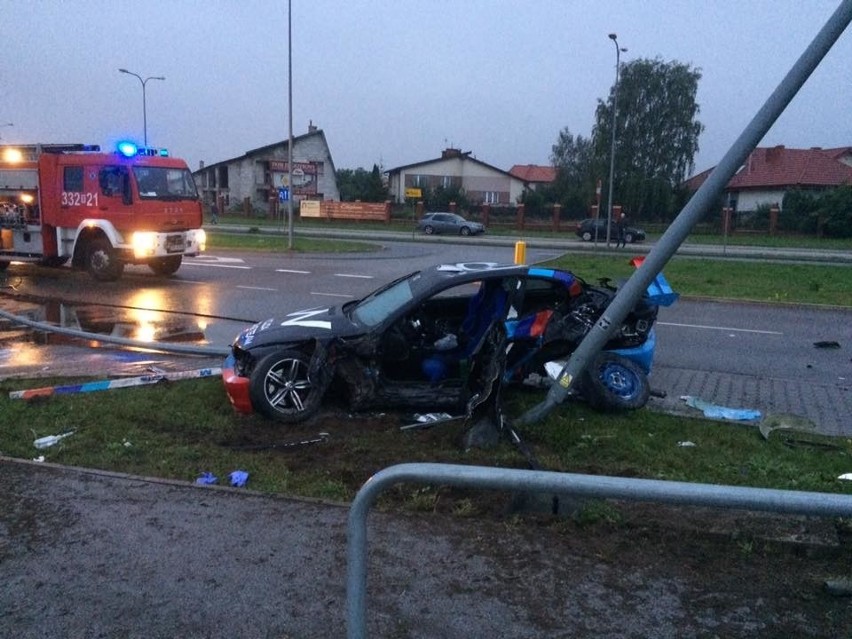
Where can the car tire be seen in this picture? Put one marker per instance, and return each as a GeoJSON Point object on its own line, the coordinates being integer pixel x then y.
{"type": "Point", "coordinates": [628, 238]}
{"type": "Point", "coordinates": [614, 383]}
{"type": "Point", "coordinates": [586, 236]}
{"type": "Point", "coordinates": [102, 263]}
{"type": "Point", "coordinates": [428, 230]}
{"type": "Point", "coordinates": [166, 266]}
{"type": "Point", "coordinates": [281, 387]}
{"type": "Point", "coordinates": [464, 231]}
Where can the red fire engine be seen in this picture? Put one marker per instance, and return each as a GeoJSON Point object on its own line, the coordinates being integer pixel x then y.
{"type": "Point", "coordinates": [61, 202]}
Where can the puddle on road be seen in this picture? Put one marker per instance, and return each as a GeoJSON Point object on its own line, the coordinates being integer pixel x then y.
{"type": "Point", "coordinates": [128, 323]}
{"type": "Point", "coordinates": [26, 351]}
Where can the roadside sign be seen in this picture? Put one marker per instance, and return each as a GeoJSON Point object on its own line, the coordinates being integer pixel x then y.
{"type": "Point", "coordinates": [283, 194]}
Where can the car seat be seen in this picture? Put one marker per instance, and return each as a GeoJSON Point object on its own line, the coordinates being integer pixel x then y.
{"type": "Point", "coordinates": [484, 308]}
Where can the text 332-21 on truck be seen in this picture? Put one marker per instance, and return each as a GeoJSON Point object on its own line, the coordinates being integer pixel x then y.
{"type": "Point", "coordinates": [61, 202]}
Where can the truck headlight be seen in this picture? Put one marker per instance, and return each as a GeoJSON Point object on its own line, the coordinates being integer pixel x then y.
{"type": "Point", "coordinates": [144, 244]}
{"type": "Point", "coordinates": [201, 238]}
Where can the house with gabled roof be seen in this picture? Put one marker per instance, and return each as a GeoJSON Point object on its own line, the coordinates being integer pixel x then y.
{"type": "Point", "coordinates": [770, 172]}
{"type": "Point", "coordinates": [481, 182]}
{"type": "Point", "coordinates": [534, 175]}
{"type": "Point", "coordinates": [258, 174]}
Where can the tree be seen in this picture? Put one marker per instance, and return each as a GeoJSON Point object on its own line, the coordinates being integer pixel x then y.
{"type": "Point", "coordinates": [360, 184]}
{"type": "Point", "coordinates": [574, 187]}
{"type": "Point", "coordinates": [657, 134]}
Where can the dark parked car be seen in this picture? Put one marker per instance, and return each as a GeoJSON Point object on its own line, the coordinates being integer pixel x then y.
{"type": "Point", "coordinates": [587, 228]}
{"type": "Point", "coordinates": [451, 223]}
{"type": "Point", "coordinates": [444, 337]}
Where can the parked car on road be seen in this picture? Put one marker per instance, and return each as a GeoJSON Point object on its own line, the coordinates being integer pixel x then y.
{"type": "Point", "coordinates": [444, 337]}
{"type": "Point", "coordinates": [587, 229]}
{"type": "Point", "coordinates": [450, 223]}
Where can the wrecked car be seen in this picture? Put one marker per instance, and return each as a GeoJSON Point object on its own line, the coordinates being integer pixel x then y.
{"type": "Point", "coordinates": [445, 337]}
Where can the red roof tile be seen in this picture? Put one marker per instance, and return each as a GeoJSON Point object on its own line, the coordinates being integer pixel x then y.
{"type": "Point", "coordinates": [782, 167]}
{"type": "Point", "coordinates": [534, 173]}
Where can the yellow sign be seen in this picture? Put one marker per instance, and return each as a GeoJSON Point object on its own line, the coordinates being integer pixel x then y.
{"type": "Point", "coordinates": [413, 193]}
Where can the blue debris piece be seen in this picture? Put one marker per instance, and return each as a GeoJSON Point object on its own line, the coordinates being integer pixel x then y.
{"type": "Point", "coordinates": [714, 411]}
{"type": "Point", "coordinates": [207, 478]}
{"type": "Point", "coordinates": [239, 478]}
{"type": "Point", "coordinates": [660, 292]}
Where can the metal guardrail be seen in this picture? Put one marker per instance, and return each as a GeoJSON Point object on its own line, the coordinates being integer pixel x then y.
{"type": "Point", "coordinates": [601, 487]}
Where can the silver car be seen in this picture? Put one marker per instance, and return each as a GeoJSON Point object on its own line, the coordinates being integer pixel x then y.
{"type": "Point", "coordinates": [445, 222]}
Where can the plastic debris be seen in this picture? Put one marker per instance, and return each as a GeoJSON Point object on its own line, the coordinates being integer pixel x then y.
{"type": "Point", "coordinates": [846, 477]}
{"type": "Point", "coordinates": [50, 440]}
{"type": "Point", "coordinates": [40, 458]}
{"type": "Point", "coordinates": [239, 478]}
{"type": "Point", "coordinates": [446, 343]}
{"type": "Point", "coordinates": [206, 478]}
{"type": "Point", "coordinates": [431, 417]}
{"type": "Point", "coordinates": [686, 444]}
{"type": "Point", "coordinates": [714, 411]}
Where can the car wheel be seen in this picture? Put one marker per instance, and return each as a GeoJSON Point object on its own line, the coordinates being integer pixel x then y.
{"type": "Point", "coordinates": [101, 261]}
{"type": "Point", "coordinates": [428, 230]}
{"type": "Point", "coordinates": [282, 389]}
{"type": "Point", "coordinates": [464, 231]}
{"type": "Point", "coordinates": [587, 236]}
{"type": "Point", "coordinates": [628, 238]}
{"type": "Point", "coordinates": [165, 265]}
{"type": "Point", "coordinates": [613, 382]}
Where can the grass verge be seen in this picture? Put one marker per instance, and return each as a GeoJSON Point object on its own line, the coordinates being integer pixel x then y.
{"type": "Point", "coordinates": [179, 430]}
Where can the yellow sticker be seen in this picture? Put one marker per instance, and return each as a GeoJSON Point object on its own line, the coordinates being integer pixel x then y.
{"type": "Point", "coordinates": [565, 380]}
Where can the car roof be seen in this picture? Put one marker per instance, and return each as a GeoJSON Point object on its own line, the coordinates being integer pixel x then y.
{"type": "Point", "coordinates": [442, 275]}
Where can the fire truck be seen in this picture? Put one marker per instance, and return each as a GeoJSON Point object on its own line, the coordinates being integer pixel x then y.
{"type": "Point", "coordinates": [101, 211]}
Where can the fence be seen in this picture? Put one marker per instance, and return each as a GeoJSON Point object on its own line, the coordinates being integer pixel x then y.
{"type": "Point", "coordinates": [681, 493]}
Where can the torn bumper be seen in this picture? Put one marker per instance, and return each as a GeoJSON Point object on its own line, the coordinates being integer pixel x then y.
{"type": "Point", "coordinates": [236, 386]}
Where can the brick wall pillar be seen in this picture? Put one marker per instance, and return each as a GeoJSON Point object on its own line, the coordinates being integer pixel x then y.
{"type": "Point", "coordinates": [486, 213]}
{"type": "Point", "coordinates": [418, 210]}
{"type": "Point", "coordinates": [557, 215]}
{"type": "Point", "coordinates": [452, 207]}
{"type": "Point", "coordinates": [773, 220]}
{"type": "Point", "coordinates": [520, 217]}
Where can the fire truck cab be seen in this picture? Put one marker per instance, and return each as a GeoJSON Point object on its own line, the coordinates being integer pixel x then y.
{"type": "Point", "coordinates": [99, 210]}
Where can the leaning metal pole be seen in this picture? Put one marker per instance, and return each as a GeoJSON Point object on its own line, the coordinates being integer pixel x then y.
{"type": "Point", "coordinates": [695, 209]}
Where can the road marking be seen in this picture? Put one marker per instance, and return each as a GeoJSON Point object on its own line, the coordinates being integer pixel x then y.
{"type": "Point", "coordinates": [216, 265]}
{"type": "Point", "coordinates": [223, 260]}
{"type": "Point", "coordinates": [287, 270]}
{"type": "Point", "coordinates": [720, 328]}
{"type": "Point", "coordinates": [361, 277]}
{"type": "Point", "coordinates": [257, 288]}
{"type": "Point", "coordinates": [330, 294]}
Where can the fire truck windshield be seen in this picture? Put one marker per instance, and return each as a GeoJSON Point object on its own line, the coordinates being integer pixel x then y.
{"type": "Point", "coordinates": [158, 183]}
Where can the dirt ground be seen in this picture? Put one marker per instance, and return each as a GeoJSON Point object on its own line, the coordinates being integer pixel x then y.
{"type": "Point", "coordinates": [88, 554]}
{"type": "Point", "coordinates": [732, 573]}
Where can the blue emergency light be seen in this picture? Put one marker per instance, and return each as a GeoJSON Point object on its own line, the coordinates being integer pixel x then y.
{"type": "Point", "coordinates": [127, 149]}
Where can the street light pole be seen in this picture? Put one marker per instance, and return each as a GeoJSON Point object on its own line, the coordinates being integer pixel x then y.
{"type": "Point", "coordinates": [618, 51]}
{"type": "Point", "coordinates": [144, 105]}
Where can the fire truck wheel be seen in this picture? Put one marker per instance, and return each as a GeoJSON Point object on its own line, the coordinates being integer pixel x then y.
{"type": "Point", "coordinates": [102, 262]}
{"type": "Point", "coordinates": [165, 265]}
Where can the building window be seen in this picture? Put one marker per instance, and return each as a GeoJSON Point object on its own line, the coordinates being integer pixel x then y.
{"type": "Point", "coordinates": [447, 181]}
{"type": "Point", "coordinates": [491, 197]}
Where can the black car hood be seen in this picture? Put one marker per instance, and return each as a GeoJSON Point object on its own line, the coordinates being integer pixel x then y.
{"type": "Point", "coordinates": [319, 323]}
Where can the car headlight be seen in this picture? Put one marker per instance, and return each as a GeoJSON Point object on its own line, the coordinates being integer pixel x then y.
{"type": "Point", "coordinates": [144, 244]}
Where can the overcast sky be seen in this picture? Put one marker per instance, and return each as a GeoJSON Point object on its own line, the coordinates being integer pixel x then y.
{"type": "Point", "coordinates": [393, 82]}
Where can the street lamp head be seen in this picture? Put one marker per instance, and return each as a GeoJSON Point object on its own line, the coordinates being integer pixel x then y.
{"type": "Point", "coordinates": [612, 36]}
{"type": "Point", "coordinates": [123, 71]}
